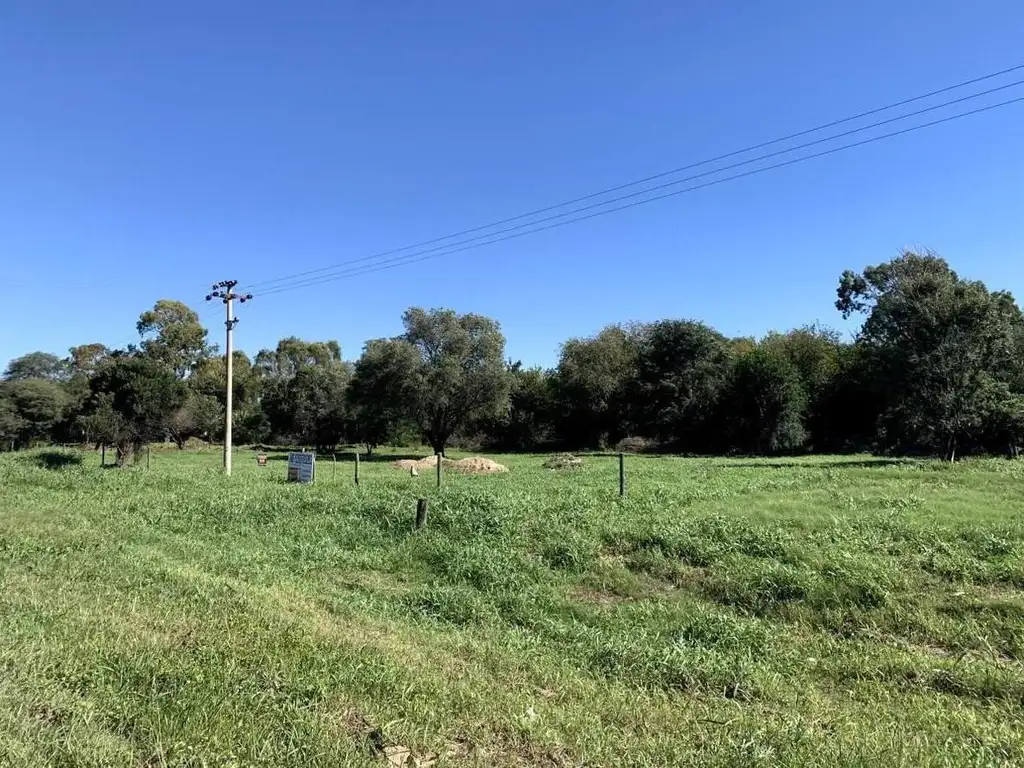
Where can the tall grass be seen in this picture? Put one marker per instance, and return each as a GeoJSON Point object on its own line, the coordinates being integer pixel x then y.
{"type": "Point", "coordinates": [810, 612]}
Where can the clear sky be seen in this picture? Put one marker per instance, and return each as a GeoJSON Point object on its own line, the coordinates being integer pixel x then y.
{"type": "Point", "coordinates": [149, 149]}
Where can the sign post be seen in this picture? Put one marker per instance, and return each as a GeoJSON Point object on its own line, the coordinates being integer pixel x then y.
{"type": "Point", "coordinates": [301, 467]}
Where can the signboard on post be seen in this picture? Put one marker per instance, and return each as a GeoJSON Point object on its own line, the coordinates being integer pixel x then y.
{"type": "Point", "coordinates": [301, 467]}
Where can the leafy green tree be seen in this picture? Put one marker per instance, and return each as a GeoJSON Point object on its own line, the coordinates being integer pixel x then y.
{"type": "Point", "coordinates": [12, 425]}
{"type": "Point", "coordinates": [764, 404]}
{"type": "Point", "coordinates": [815, 354]}
{"type": "Point", "coordinates": [36, 365]}
{"type": "Point", "coordinates": [681, 368]}
{"type": "Point", "coordinates": [210, 378]}
{"type": "Point", "coordinates": [82, 363]}
{"type": "Point", "coordinates": [528, 425]}
{"type": "Point", "coordinates": [1002, 428]}
{"type": "Point", "coordinates": [320, 414]}
{"type": "Point", "coordinates": [85, 359]}
{"type": "Point", "coordinates": [132, 400]}
{"type": "Point", "coordinates": [445, 372]}
{"type": "Point", "coordinates": [381, 391]}
{"type": "Point", "coordinates": [39, 405]}
{"type": "Point", "coordinates": [845, 414]}
{"type": "Point", "coordinates": [460, 374]}
{"type": "Point", "coordinates": [292, 354]}
{"type": "Point", "coordinates": [592, 384]}
{"type": "Point", "coordinates": [943, 345]}
{"type": "Point", "coordinates": [199, 416]}
{"type": "Point", "coordinates": [172, 334]}
{"type": "Point", "coordinates": [287, 379]}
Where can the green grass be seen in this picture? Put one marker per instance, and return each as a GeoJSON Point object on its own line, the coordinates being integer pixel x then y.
{"type": "Point", "coordinates": [819, 611]}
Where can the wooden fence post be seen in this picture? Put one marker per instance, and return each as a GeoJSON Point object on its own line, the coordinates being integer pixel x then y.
{"type": "Point", "coordinates": [438, 457]}
{"type": "Point", "coordinates": [622, 474]}
{"type": "Point", "coordinates": [357, 468]}
{"type": "Point", "coordinates": [421, 513]}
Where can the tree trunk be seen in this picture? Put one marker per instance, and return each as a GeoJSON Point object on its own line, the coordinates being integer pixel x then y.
{"type": "Point", "coordinates": [437, 441]}
{"type": "Point", "coordinates": [369, 450]}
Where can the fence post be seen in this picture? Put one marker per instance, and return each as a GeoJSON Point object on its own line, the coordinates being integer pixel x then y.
{"type": "Point", "coordinates": [147, 456]}
{"type": "Point", "coordinates": [357, 468]}
{"type": "Point", "coordinates": [622, 474]}
{"type": "Point", "coordinates": [334, 465]}
{"type": "Point", "coordinates": [421, 513]}
{"type": "Point", "coordinates": [438, 457]}
{"type": "Point", "coordinates": [103, 455]}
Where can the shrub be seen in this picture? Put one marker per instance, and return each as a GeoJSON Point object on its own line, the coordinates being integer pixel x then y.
{"type": "Point", "coordinates": [635, 445]}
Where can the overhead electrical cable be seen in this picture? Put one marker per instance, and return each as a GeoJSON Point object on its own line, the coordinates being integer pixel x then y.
{"type": "Point", "coordinates": [435, 252]}
{"type": "Point", "coordinates": [276, 282]}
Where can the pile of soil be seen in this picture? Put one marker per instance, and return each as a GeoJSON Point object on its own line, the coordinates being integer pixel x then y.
{"type": "Point", "coordinates": [477, 465]}
{"type": "Point", "coordinates": [563, 461]}
{"type": "Point", "coordinates": [427, 462]}
{"type": "Point", "coordinates": [471, 465]}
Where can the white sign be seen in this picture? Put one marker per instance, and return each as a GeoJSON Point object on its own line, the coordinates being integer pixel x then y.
{"type": "Point", "coordinates": [301, 467]}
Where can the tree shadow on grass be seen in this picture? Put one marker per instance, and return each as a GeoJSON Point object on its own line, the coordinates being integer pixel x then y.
{"type": "Point", "coordinates": [823, 464]}
{"type": "Point", "coordinates": [57, 459]}
{"type": "Point", "coordinates": [347, 457]}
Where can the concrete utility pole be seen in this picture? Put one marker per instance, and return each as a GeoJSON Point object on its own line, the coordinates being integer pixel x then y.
{"type": "Point", "coordinates": [224, 291]}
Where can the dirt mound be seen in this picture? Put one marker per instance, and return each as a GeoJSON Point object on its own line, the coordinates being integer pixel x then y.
{"type": "Point", "coordinates": [471, 465]}
{"type": "Point", "coordinates": [477, 465]}
{"type": "Point", "coordinates": [427, 462]}
{"type": "Point", "coordinates": [563, 461]}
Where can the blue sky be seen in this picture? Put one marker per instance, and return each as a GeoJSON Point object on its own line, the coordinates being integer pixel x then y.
{"type": "Point", "coordinates": [148, 149]}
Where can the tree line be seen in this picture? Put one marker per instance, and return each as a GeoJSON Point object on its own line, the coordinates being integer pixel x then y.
{"type": "Point", "coordinates": [936, 368]}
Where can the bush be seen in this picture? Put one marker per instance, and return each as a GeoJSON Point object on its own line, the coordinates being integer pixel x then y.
{"type": "Point", "coordinates": [635, 445]}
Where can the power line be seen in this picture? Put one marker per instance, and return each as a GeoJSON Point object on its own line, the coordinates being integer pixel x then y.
{"type": "Point", "coordinates": [683, 180]}
{"type": "Point", "coordinates": [271, 282]}
{"type": "Point", "coordinates": [414, 258]}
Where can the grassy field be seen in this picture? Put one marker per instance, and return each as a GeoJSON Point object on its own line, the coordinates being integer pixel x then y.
{"type": "Point", "coordinates": [819, 611]}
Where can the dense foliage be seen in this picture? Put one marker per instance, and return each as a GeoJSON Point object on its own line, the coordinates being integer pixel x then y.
{"type": "Point", "coordinates": [937, 368]}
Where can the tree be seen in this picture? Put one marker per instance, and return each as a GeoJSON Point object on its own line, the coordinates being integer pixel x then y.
{"type": "Point", "coordinates": [172, 334]}
{"type": "Point", "coordinates": [320, 414]}
{"type": "Point", "coordinates": [764, 404]}
{"type": "Point", "coordinates": [592, 383]}
{"type": "Point", "coordinates": [274, 376]}
{"type": "Point", "coordinates": [1002, 427]}
{"type": "Point", "coordinates": [381, 391]}
{"type": "Point", "coordinates": [460, 372]}
{"type": "Point", "coordinates": [943, 344]}
{"type": "Point", "coordinates": [36, 365]}
{"type": "Point", "coordinates": [845, 415]}
{"type": "Point", "coordinates": [11, 422]}
{"type": "Point", "coordinates": [210, 378]}
{"type": "Point", "coordinates": [198, 416]}
{"type": "Point", "coordinates": [82, 363]}
{"type": "Point", "coordinates": [131, 402]}
{"type": "Point", "coordinates": [528, 425]}
{"type": "Point", "coordinates": [681, 369]}
{"type": "Point", "coordinates": [293, 353]}
{"type": "Point", "coordinates": [39, 407]}
{"type": "Point", "coordinates": [815, 354]}
{"type": "Point", "coordinates": [85, 359]}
